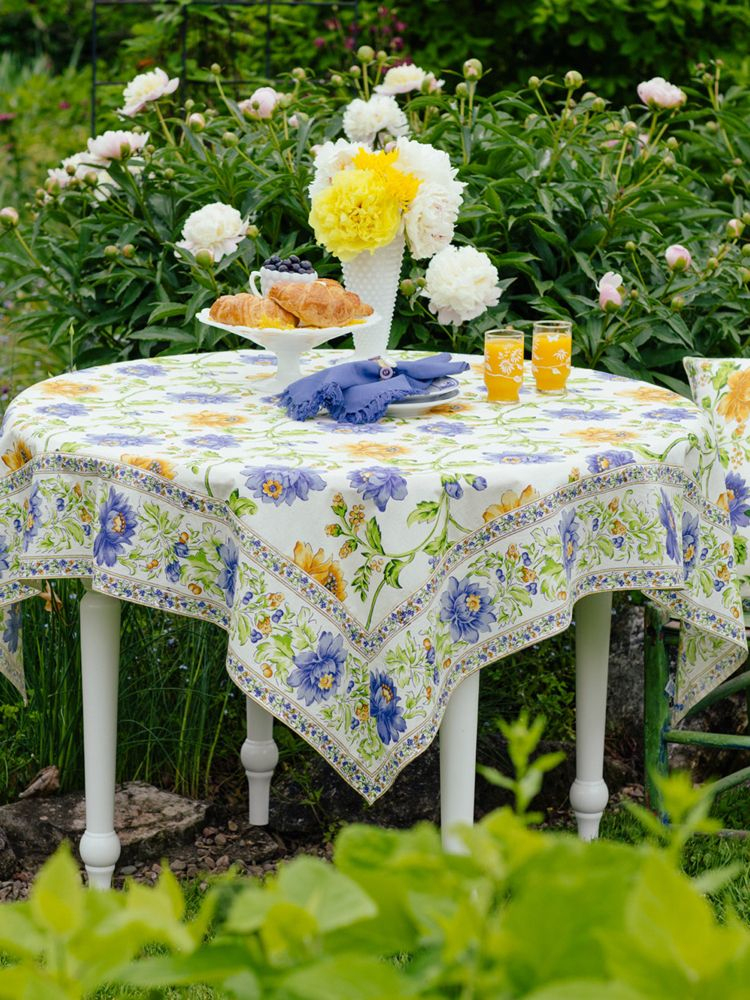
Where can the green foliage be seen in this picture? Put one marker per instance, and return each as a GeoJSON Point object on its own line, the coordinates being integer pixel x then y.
{"type": "Point", "coordinates": [395, 917]}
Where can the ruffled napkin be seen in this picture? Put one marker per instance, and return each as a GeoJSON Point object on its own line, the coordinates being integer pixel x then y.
{"type": "Point", "coordinates": [359, 392]}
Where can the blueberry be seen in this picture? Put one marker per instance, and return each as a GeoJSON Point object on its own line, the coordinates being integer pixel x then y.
{"type": "Point", "coordinates": [307, 265]}
{"type": "Point", "coordinates": [274, 258]}
{"type": "Point", "coordinates": [283, 268]}
{"type": "Point", "coordinates": [271, 267]}
{"type": "Point", "coordinates": [294, 259]}
{"type": "Point", "coordinates": [297, 269]}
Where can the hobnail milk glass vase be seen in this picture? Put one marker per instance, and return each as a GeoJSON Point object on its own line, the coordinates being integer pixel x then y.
{"type": "Point", "coordinates": [375, 277]}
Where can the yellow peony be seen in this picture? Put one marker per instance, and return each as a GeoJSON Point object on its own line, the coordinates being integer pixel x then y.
{"type": "Point", "coordinates": [401, 186]}
{"type": "Point", "coordinates": [356, 212]}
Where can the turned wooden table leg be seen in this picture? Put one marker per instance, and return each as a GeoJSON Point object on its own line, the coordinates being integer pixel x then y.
{"type": "Point", "coordinates": [100, 653]}
{"type": "Point", "coordinates": [259, 756]}
{"type": "Point", "coordinates": [458, 755]}
{"type": "Point", "coordinates": [588, 793]}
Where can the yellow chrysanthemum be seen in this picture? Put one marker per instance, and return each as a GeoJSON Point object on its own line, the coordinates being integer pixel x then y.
{"type": "Point", "coordinates": [356, 212]}
{"type": "Point", "coordinates": [401, 186]}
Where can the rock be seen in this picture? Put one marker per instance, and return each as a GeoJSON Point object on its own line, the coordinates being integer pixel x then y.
{"type": "Point", "coordinates": [147, 820]}
{"type": "Point", "coordinates": [8, 860]}
{"type": "Point", "coordinates": [625, 688]}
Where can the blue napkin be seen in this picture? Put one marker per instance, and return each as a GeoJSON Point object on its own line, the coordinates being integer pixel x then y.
{"type": "Point", "coordinates": [358, 392]}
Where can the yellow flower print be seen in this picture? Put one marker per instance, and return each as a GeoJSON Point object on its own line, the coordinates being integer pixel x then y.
{"type": "Point", "coordinates": [602, 435]}
{"type": "Point", "coordinates": [159, 466]}
{"type": "Point", "coordinates": [65, 387]}
{"type": "Point", "coordinates": [510, 501]}
{"type": "Point", "coordinates": [272, 488]}
{"type": "Point", "coordinates": [651, 394]}
{"type": "Point", "coordinates": [274, 600]}
{"type": "Point", "coordinates": [362, 711]}
{"type": "Point", "coordinates": [735, 405]}
{"type": "Point", "coordinates": [206, 418]}
{"type": "Point", "coordinates": [372, 449]}
{"type": "Point", "coordinates": [264, 625]}
{"type": "Point", "coordinates": [449, 408]}
{"type": "Point", "coordinates": [320, 568]}
{"type": "Point", "coordinates": [18, 456]}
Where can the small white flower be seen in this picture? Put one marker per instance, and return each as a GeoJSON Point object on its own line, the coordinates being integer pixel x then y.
{"type": "Point", "coordinates": [402, 80]}
{"type": "Point", "coordinates": [108, 146]}
{"type": "Point", "coordinates": [659, 93]}
{"type": "Point", "coordinates": [364, 121]}
{"type": "Point", "coordinates": [611, 278]}
{"type": "Point", "coordinates": [460, 283]}
{"type": "Point", "coordinates": [431, 219]}
{"type": "Point", "coordinates": [330, 157]}
{"type": "Point", "coordinates": [83, 164]}
{"type": "Point", "coordinates": [217, 228]}
{"type": "Point", "coordinates": [144, 88]}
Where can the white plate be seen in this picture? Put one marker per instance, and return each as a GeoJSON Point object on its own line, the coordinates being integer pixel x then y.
{"type": "Point", "coordinates": [287, 345]}
{"type": "Point", "coordinates": [412, 408]}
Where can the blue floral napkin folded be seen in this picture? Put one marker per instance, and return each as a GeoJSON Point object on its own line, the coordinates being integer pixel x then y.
{"type": "Point", "coordinates": [359, 392]}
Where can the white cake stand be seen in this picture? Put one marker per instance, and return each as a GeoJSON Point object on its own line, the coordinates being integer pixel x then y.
{"type": "Point", "coordinates": [288, 346]}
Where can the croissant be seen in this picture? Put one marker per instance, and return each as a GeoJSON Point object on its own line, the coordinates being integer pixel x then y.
{"type": "Point", "coordinates": [320, 303]}
{"type": "Point", "coordinates": [250, 310]}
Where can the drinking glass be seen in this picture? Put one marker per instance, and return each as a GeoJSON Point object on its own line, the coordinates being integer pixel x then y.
{"type": "Point", "coordinates": [550, 354]}
{"type": "Point", "coordinates": [503, 364]}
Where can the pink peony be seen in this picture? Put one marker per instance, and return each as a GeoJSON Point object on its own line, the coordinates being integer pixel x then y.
{"type": "Point", "coordinates": [109, 145]}
{"type": "Point", "coordinates": [9, 216]}
{"type": "Point", "coordinates": [678, 257]}
{"type": "Point", "coordinates": [261, 103]}
{"type": "Point", "coordinates": [659, 93]}
{"type": "Point", "coordinates": [145, 88]}
{"type": "Point", "coordinates": [610, 291]}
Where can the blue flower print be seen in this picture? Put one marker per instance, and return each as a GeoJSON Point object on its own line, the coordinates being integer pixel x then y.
{"type": "Point", "coordinates": [453, 488]}
{"type": "Point", "coordinates": [609, 460]}
{"type": "Point", "coordinates": [213, 441]}
{"type": "Point", "coordinates": [573, 413]}
{"type": "Point", "coordinates": [569, 525]}
{"type": "Point", "coordinates": [666, 516]}
{"type": "Point", "coordinates": [690, 541]}
{"type": "Point", "coordinates": [738, 497]}
{"type": "Point", "coordinates": [172, 569]}
{"type": "Point", "coordinates": [478, 483]}
{"type": "Point", "coordinates": [64, 410]}
{"type": "Point", "coordinates": [181, 549]}
{"type": "Point", "coordinates": [448, 428]}
{"type": "Point", "coordinates": [317, 673]}
{"type": "Point", "coordinates": [670, 413]}
{"type": "Point", "coordinates": [466, 607]}
{"type": "Point", "coordinates": [121, 440]}
{"type": "Point", "coordinates": [205, 398]}
{"type": "Point", "coordinates": [12, 628]}
{"type": "Point", "coordinates": [227, 578]}
{"type": "Point", "coordinates": [4, 564]}
{"type": "Point", "coordinates": [141, 370]}
{"type": "Point", "coordinates": [520, 457]}
{"type": "Point", "coordinates": [117, 521]}
{"type": "Point", "coordinates": [33, 516]}
{"type": "Point", "coordinates": [278, 484]}
{"type": "Point", "coordinates": [385, 708]}
{"type": "Point", "coordinates": [379, 484]}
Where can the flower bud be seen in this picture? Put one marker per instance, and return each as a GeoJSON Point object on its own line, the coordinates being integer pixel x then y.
{"type": "Point", "coordinates": [462, 90]}
{"type": "Point", "coordinates": [70, 170]}
{"type": "Point", "coordinates": [216, 69]}
{"type": "Point", "coordinates": [407, 287]}
{"type": "Point", "coordinates": [712, 263]}
{"type": "Point", "coordinates": [196, 122]}
{"type": "Point", "coordinates": [472, 69]}
{"type": "Point", "coordinates": [678, 257]}
{"type": "Point", "coordinates": [298, 73]}
{"type": "Point", "coordinates": [634, 294]}
{"type": "Point", "coordinates": [382, 55]}
{"type": "Point", "coordinates": [252, 232]}
{"type": "Point", "coordinates": [737, 161]}
{"type": "Point", "coordinates": [230, 139]}
{"type": "Point", "coordinates": [630, 129]}
{"type": "Point", "coordinates": [677, 303]}
{"type": "Point", "coordinates": [111, 251]}
{"type": "Point", "coordinates": [598, 104]}
{"type": "Point", "coordinates": [365, 53]}
{"type": "Point", "coordinates": [138, 129]}
{"type": "Point", "coordinates": [610, 298]}
{"type": "Point", "coordinates": [420, 282]}
{"type": "Point", "coordinates": [745, 250]}
{"type": "Point", "coordinates": [169, 174]}
{"type": "Point", "coordinates": [727, 179]}
{"type": "Point", "coordinates": [128, 251]}
{"type": "Point", "coordinates": [734, 228]}
{"type": "Point", "coordinates": [90, 179]}
{"type": "Point", "coordinates": [719, 63]}
{"type": "Point", "coordinates": [52, 187]}
{"type": "Point", "coordinates": [707, 79]}
{"type": "Point", "coordinates": [589, 96]}
{"type": "Point", "coordinates": [337, 80]}
{"type": "Point", "coordinates": [746, 218]}
{"type": "Point", "coordinates": [40, 194]}
{"type": "Point", "coordinates": [150, 149]}
{"type": "Point", "coordinates": [204, 258]}
{"type": "Point", "coordinates": [630, 246]}
{"type": "Point", "coordinates": [530, 119]}
{"type": "Point", "coordinates": [211, 112]}
{"type": "Point", "coordinates": [573, 79]}
{"type": "Point", "coordinates": [534, 83]}
{"type": "Point", "coordinates": [712, 126]}
{"type": "Point", "coordinates": [672, 143]}
{"type": "Point", "coordinates": [354, 70]}
{"type": "Point", "coordinates": [285, 100]}
{"type": "Point", "coordinates": [668, 160]}
{"type": "Point", "coordinates": [9, 217]}
{"type": "Point", "coordinates": [745, 275]}
{"type": "Point", "coordinates": [189, 104]}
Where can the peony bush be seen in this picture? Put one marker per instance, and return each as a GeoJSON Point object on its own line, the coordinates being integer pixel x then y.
{"type": "Point", "coordinates": [628, 220]}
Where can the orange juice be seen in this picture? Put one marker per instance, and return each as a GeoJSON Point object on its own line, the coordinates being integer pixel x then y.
{"type": "Point", "coordinates": [550, 355]}
{"type": "Point", "coordinates": [503, 364]}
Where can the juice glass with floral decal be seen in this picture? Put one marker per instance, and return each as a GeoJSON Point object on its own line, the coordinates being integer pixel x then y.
{"type": "Point", "coordinates": [551, 347]}
{"type": "Point", "coordinates": [503, 364]}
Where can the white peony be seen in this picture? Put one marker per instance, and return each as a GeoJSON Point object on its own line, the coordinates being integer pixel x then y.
{"type": "Point", "coordinates": [460, 283]}
{"type": "Point", "coordinates": [364, 121]}
{"type": "Point", "coordinates": [330, 157]}
{"type": "Point", "coordinates": [427, 163]}
{"type": "Point", "coordinates": [145, 88]}
{"type": "Point", "coordinates": [659, 93]}
{"type": "Point", "coordinates": [80, 165]}
{"type": "Point", "coordinates": [431, 219]}
{"type": "Point", "coordinates": [108, 146]}
{"type": "Point", "coordinates": [217, 228]}
{"type": "Point", "coordinates": [403, 79]}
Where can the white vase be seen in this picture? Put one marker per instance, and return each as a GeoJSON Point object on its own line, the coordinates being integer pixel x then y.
{"type": "Point", "coordinates": [375, 278]}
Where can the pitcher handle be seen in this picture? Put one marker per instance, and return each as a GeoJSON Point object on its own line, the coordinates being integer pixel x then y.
{"type": "Point", "coordinates": [254, 276]}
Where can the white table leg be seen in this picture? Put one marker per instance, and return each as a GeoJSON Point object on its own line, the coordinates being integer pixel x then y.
{"type": "Point", "coordinates": [100, 653]}
{"type": "Point", "coordinates": [458, 756]}
{"type": "Point", "coordinates": [588, 793]}
{"type": "Point", "coordinates": [259, 756]}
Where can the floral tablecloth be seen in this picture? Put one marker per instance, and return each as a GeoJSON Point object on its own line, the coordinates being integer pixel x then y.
{"type": "Point", "coordinates": [362, 572]}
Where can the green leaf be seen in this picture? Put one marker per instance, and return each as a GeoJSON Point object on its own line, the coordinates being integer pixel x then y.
{"type": "Point", "coordinates": [392, 570]}
{"type": "Point", "coordinates": [344, 977]}
{"type": "Point", "coordinates": [426, 510]}
{"type": "Point", "coordinates": [241, 505]}
{"type": "Point", "coordinates": [373, 536]}
{"type": "Point", "coordinates": [332, 898]}
{"type": "Point", "coordinates": [57, 898]}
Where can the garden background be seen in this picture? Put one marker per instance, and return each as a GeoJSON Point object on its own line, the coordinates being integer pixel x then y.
{"type": "Point", "coordinates": [568, 176]}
